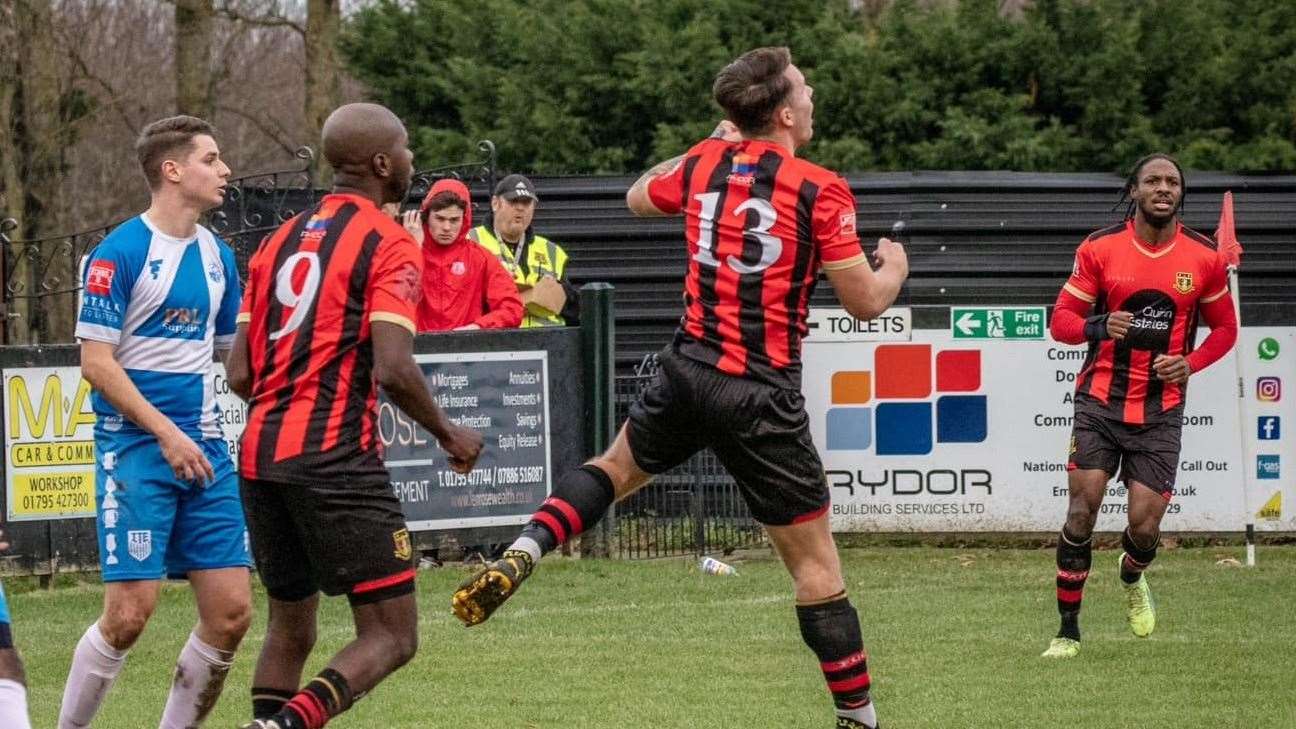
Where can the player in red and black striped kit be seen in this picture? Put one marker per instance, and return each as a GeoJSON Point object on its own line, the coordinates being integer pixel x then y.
{"type": "Point", "coordinates": [760, 225]}
{"type": "Point", "coordinates": [328, 316]}
{"type": "Point", "coordinates": [1136, 295]}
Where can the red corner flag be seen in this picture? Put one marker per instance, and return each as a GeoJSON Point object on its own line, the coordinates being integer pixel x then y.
{"type": "Point", "coordinates": [1225, 236]}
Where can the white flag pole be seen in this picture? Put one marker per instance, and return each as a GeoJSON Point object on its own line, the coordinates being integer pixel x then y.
{"type": "Point", "coordinates": [1242, 430]}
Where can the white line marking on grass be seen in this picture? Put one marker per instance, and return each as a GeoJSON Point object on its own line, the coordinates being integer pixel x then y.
{"type": "Point", "coordinates": [613, 607]}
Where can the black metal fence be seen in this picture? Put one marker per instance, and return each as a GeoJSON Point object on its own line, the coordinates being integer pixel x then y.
{"type": "Point", "coordinates": [974, 238]}
{"type": "Point", "coordinates": [41, 278]}
{"type": "Point", "coordinates": [695, 508]}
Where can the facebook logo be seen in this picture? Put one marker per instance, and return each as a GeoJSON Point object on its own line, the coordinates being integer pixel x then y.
{"type": "Point", "coordinates": [1268, 427]}
{"type": "Point", "coordinates": [1267, 467]}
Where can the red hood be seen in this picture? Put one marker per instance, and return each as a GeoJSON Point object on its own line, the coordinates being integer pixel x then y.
{"type": "Point", "coordinates": [459, 189]}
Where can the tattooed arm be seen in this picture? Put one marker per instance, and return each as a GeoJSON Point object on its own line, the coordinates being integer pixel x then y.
{"type": "Point", "coordinates": [638, 199]}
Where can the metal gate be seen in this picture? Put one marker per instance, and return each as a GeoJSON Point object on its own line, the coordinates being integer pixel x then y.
{"type": "Point", "coordinates": [695, 508]}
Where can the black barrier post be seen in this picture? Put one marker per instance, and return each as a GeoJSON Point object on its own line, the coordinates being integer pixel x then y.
{"type": "Point", "coordinates": [598, 348]}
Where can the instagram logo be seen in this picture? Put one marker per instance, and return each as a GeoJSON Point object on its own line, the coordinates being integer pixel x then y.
{"type": "Point", "coordinates": [1268, 389]}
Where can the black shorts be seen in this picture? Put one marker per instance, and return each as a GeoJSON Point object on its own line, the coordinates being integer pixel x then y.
{"type": "Point", "coordinates": [340, 539]}
{"type": "Point", "coordinates": [1147, 453]}
{"type": "Point", "coordinates": [759, 432]}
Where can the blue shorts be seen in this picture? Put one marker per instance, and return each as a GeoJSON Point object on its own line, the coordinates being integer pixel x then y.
{"type": "Point", "coordinates": [6, 635]}
{"type": "Point", "coordinates": [153, 525]}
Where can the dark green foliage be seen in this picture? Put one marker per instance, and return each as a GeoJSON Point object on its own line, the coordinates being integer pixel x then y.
{"type": "Point", "coordinates": [614, 85]}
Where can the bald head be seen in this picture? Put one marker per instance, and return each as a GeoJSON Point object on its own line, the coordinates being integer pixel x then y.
{"type": "Point", "coordinates": [367, 146]}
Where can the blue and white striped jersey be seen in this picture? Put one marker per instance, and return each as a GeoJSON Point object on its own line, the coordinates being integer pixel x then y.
{"type": "Point", "coordinates": [165, 303]}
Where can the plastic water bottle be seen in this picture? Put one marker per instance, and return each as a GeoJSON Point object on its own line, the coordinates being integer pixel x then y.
{"type": "Point", "coordinates": [712, 566]}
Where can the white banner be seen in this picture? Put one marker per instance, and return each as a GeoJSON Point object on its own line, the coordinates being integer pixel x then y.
{"type": "Point", "coordinates": [944, 435]}
{"type": "Point", "coordinates": [49, 444]}
{"type": "Point", "coordinates": [825, 324]}
{"type": "Point", "coordinates": [49, 441]}
{"type": "Point", "coordinates": [1268, 384]}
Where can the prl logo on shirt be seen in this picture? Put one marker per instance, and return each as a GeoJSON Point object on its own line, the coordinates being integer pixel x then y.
{"type": "Point", "coordinates": [1269, 427]}
{"type": "Point", "coordinates": [901, 383]}
{"type": "Point", "coordinates": [1267, 467]}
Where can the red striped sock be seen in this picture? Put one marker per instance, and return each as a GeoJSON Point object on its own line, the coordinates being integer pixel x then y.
{"type": "Point", "coordinates": [580, 499]}
{"type": "Point", "coordinates": [1074, 557]}
{"type": "Point", "coordinates": [326, 696]}
{"type": "Point", "coordinates": [848, 680]}
{"type": "Point", "coordinates": [307, 712]}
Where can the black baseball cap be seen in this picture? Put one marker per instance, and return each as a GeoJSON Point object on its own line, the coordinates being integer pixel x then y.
{"type": "Point", "coordinates": [515, 187]}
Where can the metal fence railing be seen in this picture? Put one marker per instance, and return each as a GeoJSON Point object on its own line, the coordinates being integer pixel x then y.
{"type": "Point", "coordinates": [39, 277]}
{"type": "Point", "coordinates": [695, 508]}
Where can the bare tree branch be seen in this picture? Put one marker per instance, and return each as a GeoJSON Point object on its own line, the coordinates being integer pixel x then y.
{"type": "Point", "coordinates": [222, 71]}
{"type": "Point", "coordinates": [275, 132]}
{"type": "Point", "coordinates": [270, 17]}
{"type": "Point", "coordinates": [112, 94]}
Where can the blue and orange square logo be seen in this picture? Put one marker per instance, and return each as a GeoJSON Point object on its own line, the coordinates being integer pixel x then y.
{"type": "Point", "coordinates": [745, 164]}
{"type": "Point", "coordinates": [744, 169]}
{"type": "Point", "coordinates": [890, 408]}
{"type": "Point", "coordinates": [316, 227]}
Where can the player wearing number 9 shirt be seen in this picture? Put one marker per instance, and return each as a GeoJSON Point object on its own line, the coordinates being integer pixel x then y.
{"type": "Point", "coordinates": [760, 225]}
{"type": "Point", "coordinates": [328, 317]}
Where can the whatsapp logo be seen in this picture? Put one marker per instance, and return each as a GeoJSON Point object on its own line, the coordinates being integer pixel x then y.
{"type": "Point", "coordinates": [1268, 349]}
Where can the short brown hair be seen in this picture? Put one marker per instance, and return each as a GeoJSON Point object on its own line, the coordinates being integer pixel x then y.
{"type": "Point", "coordinates": [445, 199]}
{"type": "Point", "coordinates": [163, 139]}
{"type": "Point", "coordinates": [751, 88]}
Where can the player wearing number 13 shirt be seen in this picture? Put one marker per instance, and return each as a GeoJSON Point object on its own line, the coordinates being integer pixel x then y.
{"type": "Point", "coordinates": [760, 225]}
{"type": "Point", "coordinates": [328, 317]}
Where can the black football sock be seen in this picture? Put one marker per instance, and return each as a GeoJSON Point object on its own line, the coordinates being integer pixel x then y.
{"type": "Point", "coordinates": [580, 499]}
{"type": "Point", "coordinates": [1074, 557]}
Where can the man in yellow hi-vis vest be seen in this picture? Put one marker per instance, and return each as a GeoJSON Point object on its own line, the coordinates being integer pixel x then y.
{"type": "Point", "coordinates": [537, 264]}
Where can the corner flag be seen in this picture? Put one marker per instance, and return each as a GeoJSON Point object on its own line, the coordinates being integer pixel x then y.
{"type": "Point", "coordinates": [1225, 235]}
{"type": "Point", "coordinates": [1226, 238]}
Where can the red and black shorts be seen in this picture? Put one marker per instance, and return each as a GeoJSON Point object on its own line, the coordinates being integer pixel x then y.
{"type": "Point", "coordinates": [759, 432]}
{"type": "Point", "coordinates": [343, 539]}
{"type": "Point", "coordinates": [1146, 453]}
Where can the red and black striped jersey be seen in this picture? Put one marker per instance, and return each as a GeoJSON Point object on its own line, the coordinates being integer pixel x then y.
{"type": "Point", "coordinates": [1163, 287]}
{"type": "Point", "coordinates": [314, 288]}
{"type": "Point", "coordinates": [759, 223]}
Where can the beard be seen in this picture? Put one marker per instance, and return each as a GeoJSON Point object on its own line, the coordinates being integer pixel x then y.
{"type": "Point", "coordinates": [398, 188]}
{"type": "Point", "coordinates": [1156, 219]}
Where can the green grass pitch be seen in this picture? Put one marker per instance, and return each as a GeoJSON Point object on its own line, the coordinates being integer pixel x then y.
{"type": "Point", "coordinates": [954, 638]}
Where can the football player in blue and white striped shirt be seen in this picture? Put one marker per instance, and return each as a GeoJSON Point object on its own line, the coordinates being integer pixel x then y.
{"type": "Point", "coordinates": [161, 294]}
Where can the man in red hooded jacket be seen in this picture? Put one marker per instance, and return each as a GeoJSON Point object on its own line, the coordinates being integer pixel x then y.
{"type": "Point", "coordinates": [464, 286]}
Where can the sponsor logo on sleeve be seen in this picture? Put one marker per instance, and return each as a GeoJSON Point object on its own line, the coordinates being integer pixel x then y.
{"type": "Point", "coordinates": [99, 278]}
{"type": "Point", "coordinates": [846, 224]}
